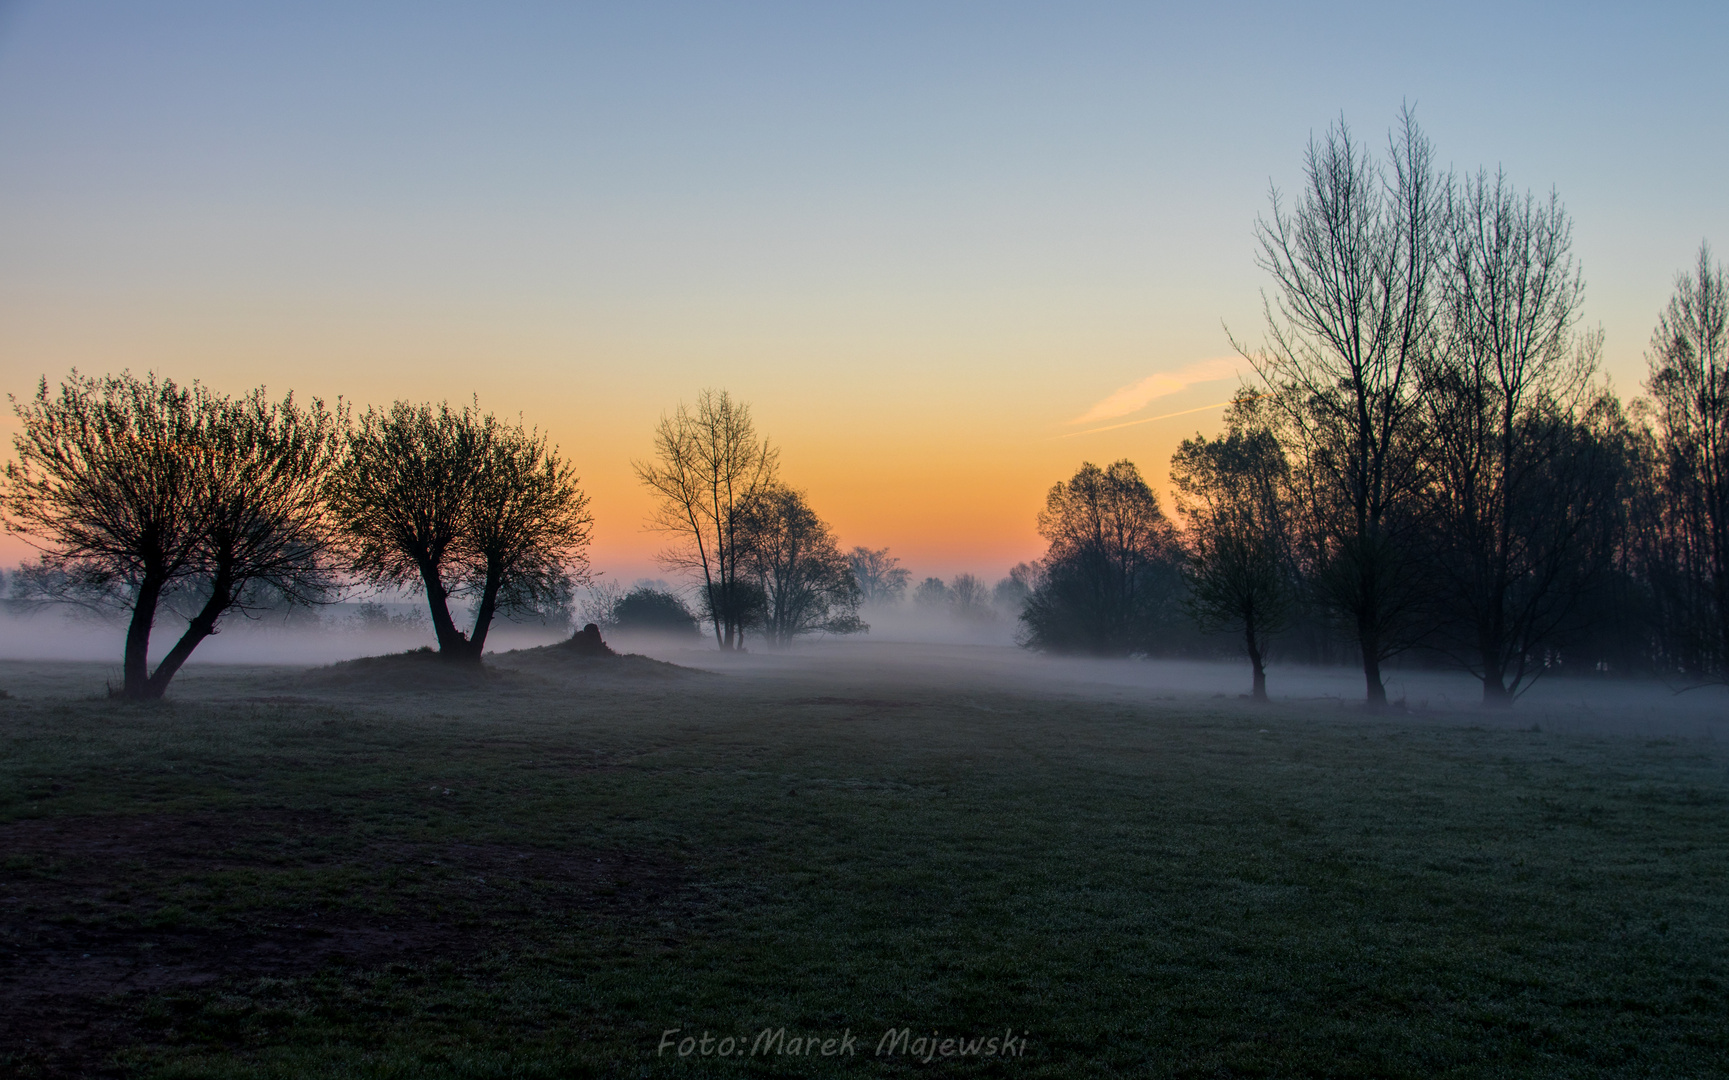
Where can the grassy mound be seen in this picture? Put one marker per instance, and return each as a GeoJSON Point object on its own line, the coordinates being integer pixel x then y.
{"type": "Point", "coordinates": [418, 670]}
{"type": "Point", "coordinates": [564, 657]}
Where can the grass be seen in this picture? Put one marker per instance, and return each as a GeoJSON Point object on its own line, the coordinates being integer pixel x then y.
{"type": "Point", "coordinates": [278, 875]}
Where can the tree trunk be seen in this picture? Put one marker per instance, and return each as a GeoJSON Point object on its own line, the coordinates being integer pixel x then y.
{"type": "Point", "coordinates": [484, 612]}
{"type": "Point", "coordinates": [136, 666]}
{"type": "Point", "coordinates": [1260, 689]}
{"type": "Point", "coordinates": [203, 625]}
{"type": "Point", "coordinates": [1376, 698]}
{"type": "Point", "coordinates": [1370, 570]}
{"type": "Point", "coordinates": [451, 642]}
{"type": "Point", "coordinates": [1495, 693]}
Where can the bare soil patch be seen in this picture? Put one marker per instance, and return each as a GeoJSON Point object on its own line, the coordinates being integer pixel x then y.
{"type": "Point", "coordinates": [566, 659]}
{"type": "Point", "coordinates": [866, 703]}
{"type": "Point", "coordinates": [419, 671]}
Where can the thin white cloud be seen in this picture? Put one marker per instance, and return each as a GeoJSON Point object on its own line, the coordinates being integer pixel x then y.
{"type": "Point", "coordinates": [1137, 396]}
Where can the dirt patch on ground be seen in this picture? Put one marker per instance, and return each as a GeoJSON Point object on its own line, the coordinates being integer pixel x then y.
{"type": "Point", "coordinates": [867, 703]}
{"type": "Point", "coordinates": [419, 671]}
{"type": "Point", "coordinates": [99, 913]}
{"type": "Point", "coordinates": [562, 658]}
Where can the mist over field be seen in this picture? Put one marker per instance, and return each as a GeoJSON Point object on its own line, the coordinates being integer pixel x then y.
{"type": "Point", "coordinates": [910, 646]}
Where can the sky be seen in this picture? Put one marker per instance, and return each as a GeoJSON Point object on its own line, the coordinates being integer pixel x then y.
{"type": "Point", "coordinates": [946, 251]}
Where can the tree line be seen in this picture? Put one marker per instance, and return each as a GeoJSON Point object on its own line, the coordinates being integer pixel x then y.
{"type": "Point", "coordinates": [1428, 457]}
{"type": "Point", "coordinates": [141, 492]}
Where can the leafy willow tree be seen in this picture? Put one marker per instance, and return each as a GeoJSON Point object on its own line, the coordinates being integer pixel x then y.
{"type": "Point", "coordinates": [261, 467]}
{"type": "Point", "coordinates": [1355, 265]}
{"type": "Point", "coordinates": [526, 541]}
{"type": "Point", "coordinates": [1112, 577]}
{"type": "Point", "coordinates": [790, 555]}
{"type": "Point", "coordinates": [708, 460]}
{"type": "Point", "coordinates": [456, 503]}
{"type": "Point", "coordinates": [136, 488]}
{"type": "Point", "coordinates": [1233, 492]}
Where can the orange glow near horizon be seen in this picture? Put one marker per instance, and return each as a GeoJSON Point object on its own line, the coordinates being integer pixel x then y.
{"type": "Point", "coordinates": [947, 490]}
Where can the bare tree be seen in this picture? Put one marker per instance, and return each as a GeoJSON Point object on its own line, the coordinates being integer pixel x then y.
{"type": "Point", "coordinates": [970, 598]}
{"type": "Point", "coordinates": [1689, 380]}
{"type": "Point", "coordinates": [1354, 266]}
{"type": "Point", "coordinates": [456, 503]}
{"type": "Point", "coordinates": [708, 460]}
{"type": "Point", "coordinates": [138, 487]}
{"type": "Point", "coordinates": [791, 556]}
{"type": "Point", "coordinates": [1519, 482]}
{"type": "Point", "coordinates": [1234, 492]}
{"type": "Point", "coordinates": [880, 576]}
{"type": "Point", "coordinates": [1010, 594]}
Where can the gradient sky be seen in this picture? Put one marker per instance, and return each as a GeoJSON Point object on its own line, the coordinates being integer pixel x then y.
{"type": "Point", "coordinates": [928, 242]}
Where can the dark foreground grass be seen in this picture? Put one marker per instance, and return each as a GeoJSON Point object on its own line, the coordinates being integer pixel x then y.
{"type": "Point", "coordinates": [541, 874]}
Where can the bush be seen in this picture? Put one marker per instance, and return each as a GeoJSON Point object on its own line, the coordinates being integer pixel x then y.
{"type": "Point", "coordinates": [651, 611]}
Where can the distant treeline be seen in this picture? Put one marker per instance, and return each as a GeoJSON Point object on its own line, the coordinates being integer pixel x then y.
{"type": "Point", "coordinates": [1428, 459]}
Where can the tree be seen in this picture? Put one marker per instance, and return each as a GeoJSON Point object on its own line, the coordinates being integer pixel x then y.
{"type": "Point", "coordinates": [1689, 382]}
{"type": "Point", "coordinates": [1234, 493]}
{"type": "Point", "coordinates": [708, 460]}
{"type": "Point", "coordinates": [136, 487]}
{"type": "Point", "coordinates": [1010, 594]}
{"type": "Point", "coordinates": [261, 471]}
{"type": "Point", "coordinates": [880, 576]}
{"type": "Point", "coordinates": [969, 598]}
{"type": "Point", "coordinates": [527, 532]}
{"type": "Point", "coordinates": [1112, 572]}
{"type": "Point", "coordinates": [1519, 482]}
{"type": "Point", "coordinates": [793, 560]}
{"type": "Point", "coordinates": [1354, 266]}
{"type": "Point", "coordinates": [456, 503]}
{"type": "Point", "coordinates": [932, 592]}
{"type": "Point", "coordinates": [652, 611]}
{"type": "Point", "coordinates": [102, 481]}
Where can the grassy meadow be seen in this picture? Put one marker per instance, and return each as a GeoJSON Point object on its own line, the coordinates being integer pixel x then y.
{"type": "Point", "coordinates": [385, 870]}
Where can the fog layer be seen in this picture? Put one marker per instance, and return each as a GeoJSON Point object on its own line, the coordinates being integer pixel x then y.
{"type": "Point", "coordinates": [909, 650]}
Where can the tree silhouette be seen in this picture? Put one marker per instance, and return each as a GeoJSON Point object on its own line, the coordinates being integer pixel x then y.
{"type": "Point", "coordinates": [791, 556]}
{"type": "Point", "coordinates": [455, 503]}
{"type": "Point", "coordinates": [707, 461]}
{"type": "Point", "coordinates": [1689, 381]}
{"type": "Point", "coordinates": [1234, 492]}
{"type": "Point", "coordinates": [880, 576]}
{"type": "Point", "coordinates": [1112, 572]}
{"type": "Point", "coordinates": [1520, 482]}
{"type": "Point", "coordinates": [1355, 270]}
{"type": "Point", "coordinates": [135, 487]}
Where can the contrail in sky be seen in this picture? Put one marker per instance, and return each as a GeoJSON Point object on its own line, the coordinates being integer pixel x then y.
{"type": "Point", "coordinates": [1147, 420]}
